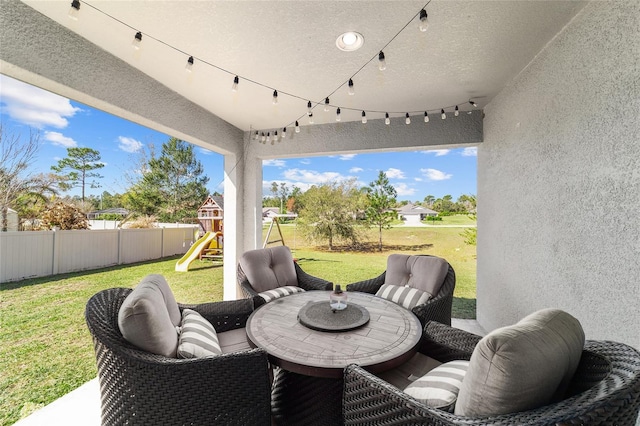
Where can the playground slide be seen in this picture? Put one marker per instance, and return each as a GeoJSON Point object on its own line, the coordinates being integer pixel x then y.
{"type": "Point", "coordinates": [182, 265]}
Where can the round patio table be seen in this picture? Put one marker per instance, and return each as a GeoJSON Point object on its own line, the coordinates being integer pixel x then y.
{"type": "Point", "coordinates": [308, 385]}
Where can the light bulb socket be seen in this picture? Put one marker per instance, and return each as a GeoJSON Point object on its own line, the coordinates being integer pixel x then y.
{"type": "Point", "coordinates": [309, 106]}
{"type": "Point", "coordinates": [338, 118]}
{"type": "Point", "coordinates": [275, 97]}
{"type": "Point", "coordinates": [326, 104]}
{"type": "Point", "coordinates": [75, 4]}
{"type": "Point", "coordinates": [284, 132]}
{"type": "Point", "coordinates": [297, 127]}
{"type": "Point", "coordinates": [234, 86]}
{"type": "Point", "coordinates": [473, 103]}
{"type": "Point", "coordinates": [351, 88]}
{"type": "Point", "coordinates": [189, 66]}
{"type": "Point", "coordinates": [424, 23]}
{"type": "Point", "coordinates": [137, 40]}
{"type": "Point", "coordinates": [382, 64]}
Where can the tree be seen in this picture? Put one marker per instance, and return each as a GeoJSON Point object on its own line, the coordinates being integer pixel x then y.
{"type": "Point", "coordinates": [329, 212]}
{"type": "Point", "coordinates": [174, 181]}
{"type": "Point", "coordinates": [429, 200]}
{"type": "Point", "coordinates": [381, 197]}
{"type": "Point", "coordinates": [81, 162]}
{"type": "Point", "coordinates": [17, 183]}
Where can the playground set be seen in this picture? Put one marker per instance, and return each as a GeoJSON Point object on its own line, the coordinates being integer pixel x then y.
{"type": "Point", "coordinates": [209, 243]}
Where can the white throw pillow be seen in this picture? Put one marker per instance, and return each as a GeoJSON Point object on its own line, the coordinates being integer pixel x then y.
{"type": "Point", "coordinates": [279, 292]}
{"type": "Point", "coordinates": [406, 297]}
{"type": "Point", "coordinates": [439, 388]}
{"type": "Point", "coordinates": [197, 338]}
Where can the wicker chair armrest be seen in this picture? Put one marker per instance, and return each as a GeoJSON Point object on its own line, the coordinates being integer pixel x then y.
{"type": "Point", "coordinates": [309, 282]}
{"type": "Point", "coordinates": [438, 309]}
{"type": "Point", "coordinates": [368, 286]}
{"type": "Point", "coordinates": [245, 285]}
{"type": "Point", "coordinates": [226, 315]}
{"type": "Point", "coordinates": [446, 343]}
{"type": "Point", "coordinates": [369, 400]}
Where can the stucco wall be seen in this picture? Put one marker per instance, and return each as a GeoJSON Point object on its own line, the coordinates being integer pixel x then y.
{"type": "Point", "coordinates": [559, 181]}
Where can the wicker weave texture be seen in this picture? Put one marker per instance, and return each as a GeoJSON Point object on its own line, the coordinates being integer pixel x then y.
{"type": "Point", "coordinates": [436, 309]}
{"type": "Point", "coordinates": [606, 391]}
{"type": "Point", "coordinates": [139, 388]}
{"type": "Point", "coordinates": [304, 400]}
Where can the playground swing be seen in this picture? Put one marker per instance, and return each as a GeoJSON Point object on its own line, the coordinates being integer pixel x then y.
{"type": "Point", "coordinates": [275, 219]}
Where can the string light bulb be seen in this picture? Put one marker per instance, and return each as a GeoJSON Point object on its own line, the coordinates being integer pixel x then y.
{"type": "Point", "coordinates": [364, 117]}
{"type": "Point", "coordinates": [338, 118]}
{"type": "Point", "coordinates": [263, 137]}
{"type": "Point", "coordinates": [310, 118]}
{"type": "Point", "coordinates": [423, 25]}
{"type": "Point", "coordinates": [234, 86]}
{"type": "Point", "coordinates": [256, 136]}
{"type": "Point", "coordinates": [382, 64]}
{"type": "Point", "coordinates": [387, 120]}
{"type": "Point", "coordinates": [473, 104]}
{"type": "Point", "coordinates": [326, 105]}
{"type": "Point", "coordinates": [309, 107]}
{"type": "Point", "coordinates": [284, 133]}
{"type": "Point", "coordinates": [443, 115]}
{"type": "Point", "coordinates": [275, 97]}
{"type": "Point", "coordinates": [352, 90]}
{"type": "Point", "coordinates": [74, 11]}
{"type": "Point", "coordinates": [426, 117]}
{"type": "Point", "coordinates": [456, 112]}
{"type": "Point", "coordinates": [269, 137]}
{"type": "Point", "coordinates": [137, 40]}
{"type": "Point", "coordinates": [407, 119]}
{"type": "Point", "coordinates": [275, 137]}
{"type": "Point", "coordinates": [297, 127]}
{"type": "Point", "coordinates": [189, 66]}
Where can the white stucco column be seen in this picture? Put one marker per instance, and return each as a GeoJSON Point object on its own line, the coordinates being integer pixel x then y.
{"type": "Point", "coordinates": [252, 201]}
{"type": "Point", "coordinates": [233, 223]}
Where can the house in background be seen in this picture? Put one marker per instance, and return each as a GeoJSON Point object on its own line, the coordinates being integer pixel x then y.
{"type": "Point", "coordinates": [12, 220]}
{"type": "Point", "coordinates": [413, 215]}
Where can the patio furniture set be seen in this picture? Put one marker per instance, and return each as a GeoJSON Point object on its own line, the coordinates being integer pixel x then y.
{"type": "Point", "coordinates": [285, 356]}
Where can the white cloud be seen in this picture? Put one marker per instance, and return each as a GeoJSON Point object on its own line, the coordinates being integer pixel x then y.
{"type": "Point", "coordinates": [355, 170]}
{"type": "Point", "coordinates": [472, 151]}
{"type": "Point", "coordinates": [433, 174]}
{"type": "Point", "coordinates": [418, 179]}
{"type": "Point", "coordinates": [305, 161]}
{"type": "Point", "coordinates": [437, 152]}
{"type": "Point", "coordinates": [273, 163]}
{"type": "Point", "coordinates": [346, 157]}
{"type": "Point", "coordinates": [204, 151]}
{"type": "Point", "coordinates": [59, 139]}
{"type": "Point", "coordinates": [311, 176]}
{"type": "Point", "coordinates": [403, 190]}
{"type": "Point", "coordinates": [266, 185]}
{"type": "Point", "coordinates": [33, 106]}
{"type": "Point", "coordinates": [129, 144]}
{"type": "Point", "coordinates": [395, 173]}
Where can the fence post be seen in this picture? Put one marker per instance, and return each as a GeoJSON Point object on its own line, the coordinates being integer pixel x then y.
{"type": "Point", "coordinates": [56, 252]}
{"type": "Point", "coordinates": [162, 243]}
{"type": "Point", "coordinates": [119, 246]}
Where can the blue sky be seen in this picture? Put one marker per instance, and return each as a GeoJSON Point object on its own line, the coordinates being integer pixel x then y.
{"type": "Point", "coordinates": [63, 123]}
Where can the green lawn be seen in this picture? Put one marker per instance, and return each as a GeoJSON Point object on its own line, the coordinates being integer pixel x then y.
{"type": "Point", "coordinates": [46, 349]}
{"type": "Point", "coordinates": [458, 219]}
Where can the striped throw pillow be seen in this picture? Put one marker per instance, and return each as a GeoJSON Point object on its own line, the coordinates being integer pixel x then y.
{"type": "Point", "coordinates": [279, 292]}
{"type": "Point", "coordinates": [197, 337]}
{"type": "Point", "coordinates": [439, 387]}
{"type": "Point", "coordinates": [407, 297]}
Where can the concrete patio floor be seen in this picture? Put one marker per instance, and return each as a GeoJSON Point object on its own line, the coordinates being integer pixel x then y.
{"type": "Point", "coordinates": [81, 407]}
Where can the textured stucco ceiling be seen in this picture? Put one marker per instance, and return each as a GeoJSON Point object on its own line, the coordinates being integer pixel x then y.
{"type": "Point", "coordinates": [471, 50]}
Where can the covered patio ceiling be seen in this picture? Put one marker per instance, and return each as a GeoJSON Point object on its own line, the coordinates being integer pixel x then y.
{"type": "Point", "coordinates": [470, 51]}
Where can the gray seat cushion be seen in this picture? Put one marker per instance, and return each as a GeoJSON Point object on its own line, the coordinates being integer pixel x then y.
{"type": "Point", "coordinates": [426, 273]}
{"type": "Point", "coordinates": [233, 340]}
{"type": "Point", "coordinates": [521, 367]}
{"type": "Point", "coordinates": [270, 268]}
{"type": "Point", "coordinates": [149, 316]}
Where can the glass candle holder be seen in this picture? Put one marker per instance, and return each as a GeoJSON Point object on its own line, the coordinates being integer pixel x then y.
{"type": "Point", "coordinates": [338, 299]}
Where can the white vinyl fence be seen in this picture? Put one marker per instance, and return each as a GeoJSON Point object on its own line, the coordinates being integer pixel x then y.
{"type": "Point", "coordinates": [42, 253]}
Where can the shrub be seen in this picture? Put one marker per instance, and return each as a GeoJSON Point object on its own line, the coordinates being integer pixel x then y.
{"type": "Point", "coordinates": [64, 216]}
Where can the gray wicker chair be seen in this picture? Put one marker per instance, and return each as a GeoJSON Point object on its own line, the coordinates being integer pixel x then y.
{"type": "Point", "coordinates": [605, 389]}
{"type": "Point", "coordinates": [141, 388]}
{"type": "Point", "coordinates": [303, 280]}
{"type": "Point", "coordinates": [436, 309]}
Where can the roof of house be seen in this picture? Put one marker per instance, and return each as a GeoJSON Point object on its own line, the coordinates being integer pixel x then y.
{"type": "Point", "coordinates": [413, 209]}
{"type": "Point", "coordinates": [218, 200]}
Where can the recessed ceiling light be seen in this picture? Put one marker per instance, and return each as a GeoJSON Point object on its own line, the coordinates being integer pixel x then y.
{"type": "Point", "coordinates": [350, 41]}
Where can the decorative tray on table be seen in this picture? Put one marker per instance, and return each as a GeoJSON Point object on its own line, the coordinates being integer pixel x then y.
{"type": "Point", "coordinates": [319, 316]}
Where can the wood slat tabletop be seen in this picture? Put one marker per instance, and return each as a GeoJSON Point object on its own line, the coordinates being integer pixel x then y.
{"type": "Point", "coordinates": [389, 338]}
